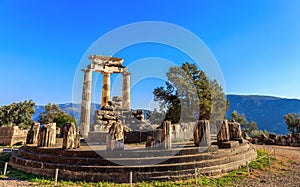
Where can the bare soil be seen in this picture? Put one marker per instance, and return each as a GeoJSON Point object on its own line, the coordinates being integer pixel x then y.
{"type": "Point", "coordinates": [284, 171]}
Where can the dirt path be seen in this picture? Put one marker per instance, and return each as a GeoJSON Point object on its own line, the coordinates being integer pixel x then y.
{"type": "Point", "coordinates": [285, 171]}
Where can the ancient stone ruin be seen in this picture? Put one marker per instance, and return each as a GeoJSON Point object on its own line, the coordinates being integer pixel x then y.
{"type": "Point", "coordinates": [12, 135]}
{"type": "Point", "coordinates": [47, 135]}
{"type": "Point", "coordinates": [33, 132]}
{"type": "Point", "coordinates": [71, 137]}
{"type": "Point", "coordinates": [106, 66]}
{"type": "Point", "coordinates": [166, 153]}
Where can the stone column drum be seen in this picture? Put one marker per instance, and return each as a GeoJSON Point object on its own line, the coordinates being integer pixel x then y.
{"type": "Point", "coordinates": [202, 134]}
{"type": "Point", "coordinates": [47, 135]}
{"type": "Point", "coordinates": [32, 136]}
{"type": "Point", "coordinates": [70, 136]}
{"type": "Point", "coordinates": [85, 113]}
{"type": "Point", "coordinates": [234, 130]}
{"type": "Point", "coordinates": [167, 131]}
{"type": "Point", "coordinates": [105, 89]}
{"type": "Point", "coordinates": [223, 135]}
{"type": "Point", "coordinates": [126, 91]}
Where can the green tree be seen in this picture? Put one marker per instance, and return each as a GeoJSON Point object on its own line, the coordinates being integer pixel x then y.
{"type": "Point", "coordinates": [19, 114]}
{"type": "Point", "coordinates": [293, 122]}
{"type": "Point", "coordinates": [190, 95]}
{"type": "Point", "coordinates": [169, 104]}
{"type": "Point", "coordinates": [218, 105]}
{"type": "Point", "coordinates": [53, 114]}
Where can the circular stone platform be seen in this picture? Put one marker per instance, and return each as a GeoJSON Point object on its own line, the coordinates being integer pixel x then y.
{"type": "Point", "coordinates": [89, 165]}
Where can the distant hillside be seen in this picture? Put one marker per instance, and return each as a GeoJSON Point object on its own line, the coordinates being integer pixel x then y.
{"type": "Point", "coordinates": [267, 111]}
{"type": "Point", "coordinates": [69, 108]}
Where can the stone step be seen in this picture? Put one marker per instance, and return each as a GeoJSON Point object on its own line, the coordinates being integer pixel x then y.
{"type": "Point", "coordinates": [143, 168]}
{"type": "Point", "coordinates": [121, 173]}
{"type": "Point", "coordinates": [165, 159]}
{"type": "Point", "coordinates": [140, 153]}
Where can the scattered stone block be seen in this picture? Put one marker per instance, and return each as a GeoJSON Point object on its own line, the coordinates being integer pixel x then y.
{"type": "Point", "coordinates": [228, 144]}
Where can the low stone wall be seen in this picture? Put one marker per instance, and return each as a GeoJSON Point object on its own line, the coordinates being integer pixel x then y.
{"type": "Point", "coordinates": [12, 135]}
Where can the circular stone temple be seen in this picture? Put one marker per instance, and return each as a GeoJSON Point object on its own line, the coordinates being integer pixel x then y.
{"type": "Point", "coordinates": [105, 151]}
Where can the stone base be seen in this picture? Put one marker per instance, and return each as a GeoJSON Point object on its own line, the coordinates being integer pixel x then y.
{"type": "Point", "coordinates": [88, 165]}
{"type": "Point", "coordinates": [240, 140]}
{"type": "Point", "coordinates": [97, 137]}
{"type": "Point", "coordinates": [229, 144]}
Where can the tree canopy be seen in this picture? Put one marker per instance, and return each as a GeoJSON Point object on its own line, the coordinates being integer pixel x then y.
{"type": "Point", "coordinates": [293, 122]}
{"type": "Point", "coordinates": [53, 114]}
{"type": "Point", "coordinates": [19, 114]}
{"type": "Point", "coordinates": [190, 95]}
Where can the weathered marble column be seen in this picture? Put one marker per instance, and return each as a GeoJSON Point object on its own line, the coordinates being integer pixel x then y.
{"type": "Point", "coordinates": [126, 91]}
{"type": "Point", "coordinates": [167, 131]}
{"type": "Point", "coordinates": [105, 89]}
{"type": "Point", "coordinates": [86, 103]}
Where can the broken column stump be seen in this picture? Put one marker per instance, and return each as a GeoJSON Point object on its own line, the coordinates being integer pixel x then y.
{"type": "Point", "coordinates": [202, 134]}
{"type": "Point", "coordinates": [47, 135]}
{"type": "Point", "coordinates": [33, 132]}
{"type": "Point", "coordinates": [235, 132]}
{"type": "Point", "coordinates": [167, 132]}
{"type": "Point", "coordinates": [223, 136]}
{"type": "Point", "coordinates": [70, 136]}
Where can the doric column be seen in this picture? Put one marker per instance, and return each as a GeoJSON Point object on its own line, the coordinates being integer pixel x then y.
{"type": "Point", "coordinates": [86, 103]}
{"type": "Point", "coordinates": [126, 90]}
{"type": "Point", "coordinates": [105, 89]}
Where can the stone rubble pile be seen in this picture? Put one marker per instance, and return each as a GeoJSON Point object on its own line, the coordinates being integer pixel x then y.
{"type": "Point", "coordinates": [108, 115]}
{"type": "Point", "coordinates": [284, 140]}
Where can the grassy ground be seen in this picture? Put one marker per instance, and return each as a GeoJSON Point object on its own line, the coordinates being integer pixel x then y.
{"type": "Point", "coordinates": [261, 164]}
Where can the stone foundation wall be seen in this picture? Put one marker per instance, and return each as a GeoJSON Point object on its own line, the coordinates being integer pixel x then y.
{"type": "Point", "coordinates": [76, 165]}
{"type": "Point", "coordinates": [12, 135]}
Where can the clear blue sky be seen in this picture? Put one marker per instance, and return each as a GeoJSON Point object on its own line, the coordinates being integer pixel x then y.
{"type": "Point", "coordinates": [256, 42]}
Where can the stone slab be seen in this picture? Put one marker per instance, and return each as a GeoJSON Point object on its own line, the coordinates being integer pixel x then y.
{"type": "Point", "coordinates": [229, 144]}
{"type": "Point", "coordinates": [240, 140]}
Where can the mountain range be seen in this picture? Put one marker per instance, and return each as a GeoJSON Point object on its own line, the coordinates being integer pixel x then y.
{"type": "Point", "coordinates": [266, 111]}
